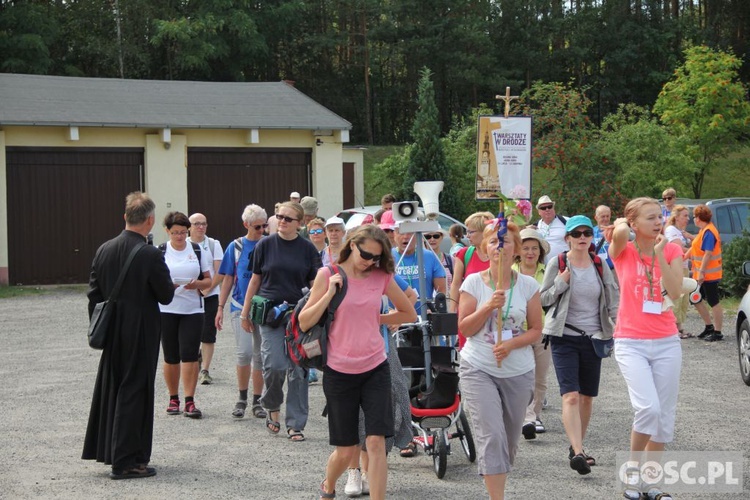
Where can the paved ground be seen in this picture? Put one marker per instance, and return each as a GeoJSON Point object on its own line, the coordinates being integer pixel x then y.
{"type": "Point", "coordinates": [48, 374]}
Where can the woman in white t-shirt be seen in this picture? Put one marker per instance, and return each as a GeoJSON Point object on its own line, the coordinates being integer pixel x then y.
{"type": "Point", "coordinates": [497, 380]}
{"type": "Point", "coordinates": [675, 232]}
{"type": "Point", "coordinates": [182, 319]}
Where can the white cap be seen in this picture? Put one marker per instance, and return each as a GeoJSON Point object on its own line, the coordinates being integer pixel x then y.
{"type": "Point", "coordinates": [334, 220]}
{"type": "Point", "coordinates": [294, 194]}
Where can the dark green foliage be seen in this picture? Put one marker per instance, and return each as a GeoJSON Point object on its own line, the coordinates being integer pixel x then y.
{"type": "Point", "coordinates": [733, 255]}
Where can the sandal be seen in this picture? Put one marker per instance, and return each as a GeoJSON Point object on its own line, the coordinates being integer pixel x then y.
{"type": "Point", "coordinates": [409, 451]}
{"type": "Point", "coordinates": [686, 335]}
{"type": "Point", "coordinates": [272, 427]}
{"type": "Point", "coordinates": [295, 436]}
{"type": "Point", "coordinates": [259, 412]}
{"type": "Point", "coordinates": [239, 409]}
{"type": "Point", "coordinates": [589, 459]}
{"type": "Point", "coordinates": [579, 464]}
{"type": "Point", "coordinates": [657, 494]}
{"type": "Point", "coordinates": [324, 494]}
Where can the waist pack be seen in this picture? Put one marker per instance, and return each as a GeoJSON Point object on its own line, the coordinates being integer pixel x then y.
{"type": "Point", "coordinates": [309, 349]}
{"type": "Point", "coordinates": [259, 309]}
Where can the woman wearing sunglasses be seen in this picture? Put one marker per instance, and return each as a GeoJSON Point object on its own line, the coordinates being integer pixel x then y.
{"type": "Point", "coordinates": [283, 265]}
{"type": "Point", "coordinates": [316, 231]}
{"type": "Point", "coordinates": [357, 374]}
{"type": "Point", "coordinates": [582, 303]}
{"type": "Point", "coordinates": [434, 240]}
{"type": "Point", "coordinates": [236, 269]}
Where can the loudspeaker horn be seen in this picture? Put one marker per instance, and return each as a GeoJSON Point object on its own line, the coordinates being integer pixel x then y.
{"type": "Point", "coordinates": [405, 211]}
{"type": "Point", "coordinates": [429, 193]}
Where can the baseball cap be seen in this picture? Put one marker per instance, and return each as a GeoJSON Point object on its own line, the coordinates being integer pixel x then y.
{"type": "Point", "coordinates": [294, 194]}
{"type": "Point", "coordinates": [386, 220]}
{"type": "Point", "coordinates": [334, 220]}
{"type": "Point", "coordinates": [578, 221]}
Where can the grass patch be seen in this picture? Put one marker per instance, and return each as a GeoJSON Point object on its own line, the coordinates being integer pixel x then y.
{"type": "Point", "coordinates": [730, 305]}
{"type": "Point", "coordinates": [8, 292]}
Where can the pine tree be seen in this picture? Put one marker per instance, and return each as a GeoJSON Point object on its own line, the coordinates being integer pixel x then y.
{"type": "Point", "coordinates": [427, 158]}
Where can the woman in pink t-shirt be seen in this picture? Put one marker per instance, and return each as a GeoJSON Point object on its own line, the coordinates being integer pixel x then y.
{"type": "Point", "coordinates": [647, 345]}
{"type": "Point", "coordinates": [357, 374]}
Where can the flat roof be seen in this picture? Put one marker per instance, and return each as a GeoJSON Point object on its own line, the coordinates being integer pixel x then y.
{"type": "Point", "coordinates": [107, 102]}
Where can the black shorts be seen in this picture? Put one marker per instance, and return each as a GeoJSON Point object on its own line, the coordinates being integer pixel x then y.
{"type": "Point", "coordinates": [710, 292]}
{"type": "Point", "coordinates": [210, 306]}
{"type": "Point", "coordinates": [577, 366]}
{"type": "Point", "coordinates": [346, 393]}
{"type": "Point", "coordinates": [181, 337]}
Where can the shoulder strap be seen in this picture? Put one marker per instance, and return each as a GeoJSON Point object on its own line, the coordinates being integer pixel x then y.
{"type": "Point", "coordinates": [211, 245]}
{"type": "Point", "coordinates": [338, 297]}
{"type": "Point", "coordinates": [561, 219]}
{"type": "Point", "coordinates": [116, 290]}
{"type": "Point", "coordinates": [197, 250]}
{"type": "Point", "coordinates": [600, 245]}
{"type": "Point", "coordinates": [467, 257]}
{"type": "Point", "coordinates": [238, 244]}
{"type": "Point", "coordinates": [562, 260]}
{"type": "Point", "coordinates": [449, 263]}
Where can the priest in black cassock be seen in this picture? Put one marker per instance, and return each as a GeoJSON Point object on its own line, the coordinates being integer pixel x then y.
{"type": "Point", "coordinates": [121, 420]}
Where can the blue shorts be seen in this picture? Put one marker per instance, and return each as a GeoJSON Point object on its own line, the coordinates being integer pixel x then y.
{"type": "Point", "coordinates": [577, 366]}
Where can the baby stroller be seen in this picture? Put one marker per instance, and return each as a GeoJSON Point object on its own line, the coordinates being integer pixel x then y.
{"type": "Point", "coordinates": [435, 399]}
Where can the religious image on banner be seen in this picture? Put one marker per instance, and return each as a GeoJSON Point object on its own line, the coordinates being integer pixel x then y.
{"type": "Point", "coordinates": [503, 157]}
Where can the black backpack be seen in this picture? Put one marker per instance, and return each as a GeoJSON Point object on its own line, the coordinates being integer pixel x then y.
{"type": "Point", "coordinates": [196, 249]}
{"type": "Point", "coordinates": [310, 349]}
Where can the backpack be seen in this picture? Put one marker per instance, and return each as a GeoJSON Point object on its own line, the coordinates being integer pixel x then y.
{"type": "Point", "coordinates": [196, 249]}
{"type": "Point", "coordinates": [310, 349]}
{"type": "Point", "coordinates": [449, 263]}
{"type": "Point", "coordinates": [562, 263]}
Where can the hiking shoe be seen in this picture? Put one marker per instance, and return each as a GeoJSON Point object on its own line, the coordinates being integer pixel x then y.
{"type": "Point", "coordinates": [191, 411]}
{"type": "Point", "coordinates": [529, 430]}
{"type": "Point", "coordinates": [204, 378]}
{"type": "Point", "coordinates": [239, 409]}
{"type": "Point", "coordinates": [353, 486]}
{"type": "Point", "coordinates": [714, 336]}
{"type": "Point", "coordinates": [539, 427]}
{"type": "Point", "coordinates": [365, 484]}
{"type": "Point", "coordinates": [174, 407]}
{"type": "Point", "coordinates": [312, 376]}
{"type": "Point", "coordinates": [706, 331]}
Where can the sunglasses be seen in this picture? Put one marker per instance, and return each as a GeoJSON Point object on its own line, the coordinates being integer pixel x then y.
{"type": "Point", "coordinates": [178, 233]}
{"type": "Point", "coordinates": [200, 224]}
{"type": "Point", "coordinates": [577, 234]}
{"type": "Point", "coordinates": [285, 218]}
{"type": "Point", "coordinates": [316, 231]}
{"type": "Point", "coordinates": [669, 198]}
{"type": "Point", "coordinates": [259, 226]}
{"type": "Point", "coordinates": [368, 255]}
{"type": "Point", "coordinates": [388, 231]}
{"type": "Point", "coordinates": [546, 207]}
{"type": "Point", "coordinates": [431, 236]}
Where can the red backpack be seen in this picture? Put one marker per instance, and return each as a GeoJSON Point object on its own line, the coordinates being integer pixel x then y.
{"type": "Point", "coordinates": [309, 349]}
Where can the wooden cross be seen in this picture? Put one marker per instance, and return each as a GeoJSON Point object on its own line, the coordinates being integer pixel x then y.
{"type": "Point", "coordinates": [507, 98]}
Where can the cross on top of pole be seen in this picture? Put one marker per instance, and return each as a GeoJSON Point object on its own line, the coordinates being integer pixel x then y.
{"type": "Point", "coordinates": [507, 98]}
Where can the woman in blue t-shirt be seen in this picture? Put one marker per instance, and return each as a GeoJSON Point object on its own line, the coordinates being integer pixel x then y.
{"type": "Point", "coordinates": [283, 265]}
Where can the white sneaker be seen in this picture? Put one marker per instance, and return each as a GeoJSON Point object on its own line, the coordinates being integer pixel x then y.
{"type": "Point", "coordinates": [365, 484]}
{"type": "Point", "coordinates": [353, 486]}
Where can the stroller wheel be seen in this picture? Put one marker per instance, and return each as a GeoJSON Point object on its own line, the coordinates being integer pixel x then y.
{"type": "Point", "coordinates": [465, 436]}
{"type": "Point", "coordinates": [440, 454]}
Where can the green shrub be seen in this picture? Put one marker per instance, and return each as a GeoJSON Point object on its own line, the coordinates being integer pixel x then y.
{"type": "Point", "coordinates": [733, 255]}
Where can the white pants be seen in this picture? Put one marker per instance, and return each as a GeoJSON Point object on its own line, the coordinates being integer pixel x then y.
{"type": "Point", "coordinates": [651, 369]}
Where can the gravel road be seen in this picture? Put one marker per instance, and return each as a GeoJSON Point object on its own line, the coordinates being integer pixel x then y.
{"type": "Point", "coordinates": [48, 374]}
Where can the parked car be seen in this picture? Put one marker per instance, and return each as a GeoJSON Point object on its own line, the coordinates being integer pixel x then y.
{"type": "Point", "coordinates": [353, 217]}
{"type": "Point", "coordinates": [742, 324]}
{"type": "Point", "coordinates": [730, 215]}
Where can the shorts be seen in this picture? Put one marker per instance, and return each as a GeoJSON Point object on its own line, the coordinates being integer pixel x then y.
{"type": "Point", "coordinates": [181, 337]}
{"type": "Point", "coordinates": [577, 366]}
{"type": "Point", "coordinates": [346, 393]}
{"type": "Point", "coordinates": [710, 292]}
{"type": "Point", "coordinates": [210, 306]}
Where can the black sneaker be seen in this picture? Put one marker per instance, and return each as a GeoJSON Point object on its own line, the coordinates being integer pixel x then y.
{"type": "Point", "coordinates": [529, 430]}
{"type": "Point", "coordinates": [706, 331]}
{"type": "Point", "coordinates": [714, 336]}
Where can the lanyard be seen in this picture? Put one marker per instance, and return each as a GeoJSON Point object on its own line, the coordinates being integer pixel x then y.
{"type": "Point", "coordinates": [510, 297]}
{"type": "Point", "coordinates": [649, 273]}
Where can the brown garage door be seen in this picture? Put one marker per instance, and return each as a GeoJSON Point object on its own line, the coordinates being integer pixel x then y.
{"type": "Point", "coordinates": [62, 204]}
{"type": "Point", "coordinates": [222, 181]}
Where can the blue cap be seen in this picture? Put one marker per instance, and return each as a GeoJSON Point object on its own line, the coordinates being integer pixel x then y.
{"type": "Point", "coordinates": [578, 221]}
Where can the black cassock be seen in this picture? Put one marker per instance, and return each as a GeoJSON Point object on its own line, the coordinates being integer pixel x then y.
{"type": "Point", "coordinates": [121, 420]}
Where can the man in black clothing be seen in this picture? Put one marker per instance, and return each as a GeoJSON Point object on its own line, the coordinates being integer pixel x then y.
{"type": "Point", "coordinates": [121, 420]}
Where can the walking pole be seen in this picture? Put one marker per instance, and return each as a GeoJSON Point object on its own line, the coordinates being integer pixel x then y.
{"type": "Point", "coordinates": [502, 229]}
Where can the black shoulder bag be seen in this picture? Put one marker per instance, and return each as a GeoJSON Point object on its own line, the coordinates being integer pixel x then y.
{"type": "Point", "coordinates": [104, 312]}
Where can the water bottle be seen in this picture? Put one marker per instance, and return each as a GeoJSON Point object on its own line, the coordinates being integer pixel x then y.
{"type": "Point", "coordinates": [277, 312]}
